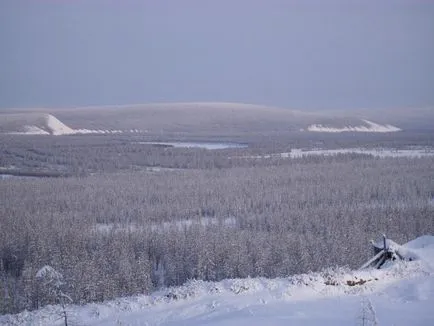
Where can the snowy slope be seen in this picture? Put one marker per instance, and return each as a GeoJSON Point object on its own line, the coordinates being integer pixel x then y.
{"type": "Point", "coordinates": [33, 124]}
{"type": "Point", "coordinates": [31, 130]}
{"type": "Point", "coordinates": [56, 127]}
{"type": "Point", "coordinates": [44, 124]}
{"type": "Point", "coordinates": [401, 294]}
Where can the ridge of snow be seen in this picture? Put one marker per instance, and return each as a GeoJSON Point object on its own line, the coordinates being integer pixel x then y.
{"type": "Point", "coordinates": [400, 294]}
{"type": "Point", "coordinates": [371, 127]}
{"type": "Point", "coordinates": [48, 124]}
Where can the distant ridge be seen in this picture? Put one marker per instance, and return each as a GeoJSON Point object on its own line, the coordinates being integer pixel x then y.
{"type": "Point", "coordinates": [43, 124]}
{"type": "Point", "coordinates": [33, 124]}
{"type": "Point", "coordinates": [217, 118]}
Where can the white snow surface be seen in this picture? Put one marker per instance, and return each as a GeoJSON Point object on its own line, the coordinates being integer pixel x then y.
{"type": "Point", "coordinates": [47, 124]}
{"type": "Point", "coordinates": [369, 127]}
{"type": "Point", "coordinates": [33, 130]}
{"type": "Point", "coordinates": [205, 145]}
{"type": "Point", "coordinates": [57, 127]}
{"type": "Point", "coordinates": [400, 294]}
{"type": "Point", "coordinates": [379, 152]}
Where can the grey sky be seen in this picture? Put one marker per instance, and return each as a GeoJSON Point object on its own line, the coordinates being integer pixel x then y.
{"type": "Point", "coordinates": [295, 54]}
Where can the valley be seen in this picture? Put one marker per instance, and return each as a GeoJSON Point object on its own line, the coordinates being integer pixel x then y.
{"type": "Point", "coordinates": [127, 202]}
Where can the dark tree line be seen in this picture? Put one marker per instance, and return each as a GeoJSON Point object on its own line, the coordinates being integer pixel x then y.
{"type": "Point", "coordinates": [131, 231]}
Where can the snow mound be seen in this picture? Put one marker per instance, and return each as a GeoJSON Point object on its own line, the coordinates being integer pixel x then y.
{"type": "Point", "coordinates": [368, 127]}
{"type": "Point", "coordinates": [421, 248]}
{"type": "Point", "coordinates": [34, 124]}
{"type": "Point", "coordinates": [425, 241]}
{"type": "Point", "coordinates": [45, 124]}
{"type": "Point", "coordinates": [56, 127]}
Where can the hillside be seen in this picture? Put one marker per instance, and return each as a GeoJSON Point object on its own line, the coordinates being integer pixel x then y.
{"type": "Point", "coordinates": [183, 118]}
{"type": "Point", "coordinates": [33, 124]}
{"type": "Point", "coordinates": [42, 124]}
{"type": "Point", "coordinates": [400, 294]}
{"type": "Point", "coordinates": [420, 119]}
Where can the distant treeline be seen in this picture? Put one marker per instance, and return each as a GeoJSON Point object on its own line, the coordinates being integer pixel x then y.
{"type": "Point", "coordinates": [129, 232]}
{"type": "Point", "coordinates": [34, 173]}
{"type": "Point", "coordinates": [81, 155]}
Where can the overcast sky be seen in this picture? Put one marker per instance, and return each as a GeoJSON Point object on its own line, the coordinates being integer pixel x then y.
{"type": "Point", "coordinates": [295, 54]}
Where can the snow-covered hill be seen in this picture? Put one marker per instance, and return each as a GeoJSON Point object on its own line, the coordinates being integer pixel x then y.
{"type": "Point", "coordinates": [400, 294]}
{"type": "Point", "coordinates": [33, 124]}
{"type": "Point", "coordinates": [207, 118]}
{"type": "Point", "coordinates": [43, 124]}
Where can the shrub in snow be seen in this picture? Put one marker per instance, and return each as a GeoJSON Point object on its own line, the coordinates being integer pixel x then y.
{"type": "Point", "coordinates": [333, 275]}
{"type": "Point", "coordinates": [243, 285]}
{"type": "Point", "coordinates": [49, 276]}
{"type": "Point", "coordinates": [49, 290]}
{"type": "Point", "coordinates": [367, 315]}
{"type": "Point", "coordinates": [192, 288]}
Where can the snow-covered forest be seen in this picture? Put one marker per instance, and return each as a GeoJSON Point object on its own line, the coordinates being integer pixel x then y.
{"type": "Point", "coordinates": [195, 162]}
{"type": "Point", "coordinates": [132, 218]}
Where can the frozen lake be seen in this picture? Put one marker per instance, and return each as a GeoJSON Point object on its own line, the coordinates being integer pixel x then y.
{"type": "Point", "coordinates": [205, 145]}
{"type": "Point", "coordinates": [11, 176]}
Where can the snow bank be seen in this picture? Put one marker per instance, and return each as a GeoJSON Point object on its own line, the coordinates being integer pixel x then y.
{"type": "Point", "coordinates": [422, 249]}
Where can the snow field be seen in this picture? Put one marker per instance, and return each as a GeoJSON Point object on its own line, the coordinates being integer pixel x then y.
{"type": "Point", "coordinates": [383, 152]}
{"type": "Point", "coordinates": [369, 127]}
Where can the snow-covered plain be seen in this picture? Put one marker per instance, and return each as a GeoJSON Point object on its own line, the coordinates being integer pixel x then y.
{"type": "Point", "coordinates": [369, 127]}
{"type": "Point", "coordinates": [380, 152]}
{"type": "Point", "coordinates": [400, 294]}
